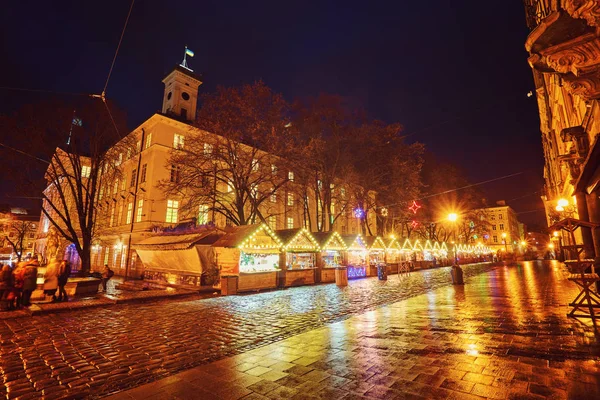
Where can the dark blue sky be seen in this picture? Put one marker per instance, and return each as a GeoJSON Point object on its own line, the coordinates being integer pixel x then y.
{"type": "Point", "coordinates": [454, 73]}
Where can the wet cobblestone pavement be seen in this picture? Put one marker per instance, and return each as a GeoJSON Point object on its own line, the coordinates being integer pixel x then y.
{"type": "Point", "coordinates": [97, 351]}
{"type": "Point", "coordinates": [513, 317]}
{"type": "Point", "coordinates": [504, 335]}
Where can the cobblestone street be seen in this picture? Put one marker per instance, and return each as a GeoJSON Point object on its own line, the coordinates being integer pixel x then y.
{"type": "Point", "coordinates": [509, 313]}
{"type": "Point", "coordinates": [504, 335]}
{"type": "Point", "coordinates": [102, 350]}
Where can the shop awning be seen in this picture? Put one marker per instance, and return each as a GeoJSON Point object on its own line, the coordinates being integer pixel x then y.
{"type": "Point", "coordinates": [189, 254]}
{"type": "Point", "coordinates": [298, 240]}
{"type": "Point", "coordinates": [330, 241]}
{"type": "Point", "coordinates": [251, 238]}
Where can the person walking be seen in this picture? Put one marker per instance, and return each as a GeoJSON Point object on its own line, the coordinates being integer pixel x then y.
{"type": "Point", "coordinates": [51, 279]}
{"type": "Point", "coordinates": [18, 280]}
{"type": "Point", "coordinates": [5, 281]}
{"type": "Point", "coordinates": [107, 273]}
{"type": "Point", "coordinates": [29, 281]}
{"type": "Point", "coordinates": [63, 276]}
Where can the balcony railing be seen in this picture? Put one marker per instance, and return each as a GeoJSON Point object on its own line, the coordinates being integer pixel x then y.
{"type": "Point", "coordinates": [537, 10]}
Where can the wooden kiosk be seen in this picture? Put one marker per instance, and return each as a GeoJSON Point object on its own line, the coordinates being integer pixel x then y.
{"type": "Point", "coordinates": [252, 253]}
{"type": "Point", "coordinates": [393, 253]}
{"type": "Point", "coordinates": [298, 258]}
{"type": "Point", "coordinates": [356, 256]}
{"type": "Point", "coordinates": [331, 255]}
{"type": "Point", "coordinates": [377, 254]}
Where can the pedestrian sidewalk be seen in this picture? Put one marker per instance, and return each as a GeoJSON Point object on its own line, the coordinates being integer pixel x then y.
{"type": "Point", "coordinates": [111, 297]}
{"type": "Point", "coordinates": [503, 335]}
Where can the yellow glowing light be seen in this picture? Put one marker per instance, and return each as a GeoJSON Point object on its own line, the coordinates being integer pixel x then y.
{"type": "Point", "coordinates": [551, 246]}
{"type": "Point", "coordinates": [452, 217]}
{"type": "Point", "coordinates": [562, 203]}
{"type": "Point", "coordinates": [503, 234]}
{"type": "Point", "coordinates": [555, 233]}
{"type": "Point", "coordinates": [523, 243]}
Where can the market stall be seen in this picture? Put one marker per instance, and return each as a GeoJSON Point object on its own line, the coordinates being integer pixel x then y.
{"type": "Point", "coordinates": [252, 253]}
{"type": "Point", "coordinates": [356, 256]}
{"type": "Point", "coordinates": [376, 248]}
{"type": "Point", "coordinates": [186, 259]}
{"type": "Point", "coordinates": [299, 257]}
{"type": "Point", "coordinates": [331, 256]}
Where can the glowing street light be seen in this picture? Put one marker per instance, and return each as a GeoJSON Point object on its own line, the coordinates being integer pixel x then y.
{"type": "Point", "coordinates": [504, 240]}
{"type": "Point", "coordinates": [551, 246]}
{"type": "Point", "coordinates": [561, 204]}
{"type": "Point", "coordinates": [452, 217]}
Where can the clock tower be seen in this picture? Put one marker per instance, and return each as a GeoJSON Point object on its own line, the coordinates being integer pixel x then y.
{"type": "Point", "coordinates": [181, 93]}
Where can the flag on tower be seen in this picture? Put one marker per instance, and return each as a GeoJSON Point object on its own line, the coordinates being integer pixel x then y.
{"type": "Point", "coordinates": [189, 52]}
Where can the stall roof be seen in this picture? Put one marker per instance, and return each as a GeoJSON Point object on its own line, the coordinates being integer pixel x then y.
{"type": "Point", "coordinates": [239, 236]}
{"type": "Point", "coordinates": [297, 239]}
{"type": "Point", "coordinates": [375, 243]}
{"type": "Point", "coordinates": [330, 241]}
{"type": "Point", "coordinates": [392, 244]}
{"type": "Point", "coordinates": [354, 242]}
{"type": "Point", "coordinates": [178, 242]}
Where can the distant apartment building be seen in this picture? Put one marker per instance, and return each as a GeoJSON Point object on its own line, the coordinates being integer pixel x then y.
{"type": "Point", "coordinates": [505, 232]}
{"type": "Point", "coordinates": [19, 226]}
{"type": "Point", "coordinates": [136, 206]}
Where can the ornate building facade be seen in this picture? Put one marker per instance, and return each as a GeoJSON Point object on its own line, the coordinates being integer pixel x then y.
{"type": "Point", "coordinates": [564, 54]}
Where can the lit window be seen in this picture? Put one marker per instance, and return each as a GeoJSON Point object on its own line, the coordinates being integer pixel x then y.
{"type": "Point", "coordinates": [273, 196]}
{"type": "Point", "coordinates": [254, 190]}
{"type": "Point", "coordinates": [148, 140]}
{"type": "Point", "coordinates": [229, 187]}
{"type": "Point", "coordinates": [495, 239]}
{"type": "Point", "coordinates": [255, 165]}
{"type": "Point", "coordinates": [123, 183]}
{"type": "Point", "coordinates": [272, 222]}
{"type": "Point", "coordinates": [178, 141]}
{"type": "Point", "coordinates": [208, 149]}
{"type": "Point", "coordinates": [343, 193]}
{"type": "Point", "coordinates": [138, 146]}
{"type": "Point", "coordinates": [290, 222]}
{"type": "Point", "coordinates": [120, 214]}
{"type": "Point", "coordinates": [332, 208]}
{"type": "Point", "coordinates": [273, 169]}
{"type": "Point", "coordinates": [291, 176]}
{"type": "Point", "coordinates": [290, 199]}
{"type": "Point", "coordinates": [120, 160]}
{"type": "Point", "coordinates": [175, 173]}
{"type": "Point", "coordinates": [493, 217]}
{"type": "Point", "coordinates": [319, 184]}
{"type": "Point", "coordinates": [101, 194]}
{"type": "Point", "coordinates": [202, 214]}
{"type": "Point", "coordinates": [172, 211]}
{"type": "Point", "coordinates": [132, 182]}
{"type": "Point", "coordinates": [493, 227]}
{"type": "Point", "coordinates": [112, 215]}
{"type": "Point", "coordinates": [85, 171]}
{"type": "Point", "coordinates": [501, 227]}
{"type": "Point", "coordinates": [140, 208]}
{"type": "Point", "coordinates": [129, 212]}
{"type": "Point", "coordinates": [499, 216]}
{"type": "Point", "coordinates": [116, 187]}
{"type": "Point", "coordinates": [143, 177]}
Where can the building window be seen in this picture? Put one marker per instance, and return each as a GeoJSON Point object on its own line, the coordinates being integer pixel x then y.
{"type": "Point", "coordinates": [208, 149]}
{"type": "Point", "coordinates": [495, 239]}
{"type": "Point", "coordinates": [273, 169]}
{"type": "Point", "coordinates": [175, 173]}
{"type": "Point", "coordinates": [119, 161]}
{"type": "Point", "coordinates": [178, 141]}
{"type": "Point", "coordinates": [129, 212]}
{"type": "Point", "coordinates": [85, 171]}
{"type": "Point", "coordinates": [138, 146]}
{"type": "Point", "coordinates": [343, 193]}
{"type": "Point", "coordinates": [120, 214]}
{"type": "Point", "coordinates": [493, 217]}
{"type": "Point", "coordinates": [132, 182]}
{"type": "Point", "coordinates": [273, 196]}
{"type": "Point", "coordinates": [112, 215]}
{"type": "Point", "coordinates": [255, 165]}
{"type": "Point", "coordinates": [202, 215]}
{"type": "Point", "coordinates": [46, 225]}
{"type": "Point", "coordinates": [290, 199]}
{"type": "Point", "coordinates": [272, 222]}
{"type": "Point", "coordinates": [116, 187]}
{"type": "Point", "coordinates": [501, 227]}
{"type": "Point", "coordinates": [148, 140]}
{"type": "Point", "coordinates": [143, 177]}
{"type": "Point", "coordinates": [140, 208]}
{"type": "Point", "coordinates": [499, 216]}
{"type": "Point", "coordinates": [291, 176]}
{"type": "Point", "coordinates": [254, 190]}
{"type": "Point", "coordinates": [172, 211]}
{"type": "Point", "coordinates": [493, 227]}
{"type": "Point", "coordinates": [290, 222]}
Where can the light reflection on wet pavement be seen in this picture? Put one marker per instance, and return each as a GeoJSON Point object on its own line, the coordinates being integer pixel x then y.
{"type": "Point", "coordinates": [508, 325]}
{"type": "Point", "coordinates": [504, 335]}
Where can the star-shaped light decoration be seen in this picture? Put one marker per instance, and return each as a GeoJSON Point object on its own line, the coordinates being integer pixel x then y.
{"type": "Point", "coordinates": [384, 212]}
{"type": "Point", "coordinates": [414, 207]}
{"type": "Point", "coordinates": [414, 224]}
{"type": "Point", "coordinates": [359, 213]}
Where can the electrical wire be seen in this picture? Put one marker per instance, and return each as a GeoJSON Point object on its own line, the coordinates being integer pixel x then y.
{"type": "Point", "coordinates": [117, 51]}
{"type": "Point", "coordinates": [24, 153]}
{"type": "Point", "coordinates": [42, 91]}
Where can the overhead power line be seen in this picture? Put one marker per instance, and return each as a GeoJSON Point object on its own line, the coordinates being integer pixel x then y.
{"type": "Point", "coordinates": [24, 153]}
{"type": "Point", "coordinates": [42, 91]}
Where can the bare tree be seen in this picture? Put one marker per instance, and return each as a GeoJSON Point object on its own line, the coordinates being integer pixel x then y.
{"type": "Point", "coordinates": [18, 232]}
{"type": "Point", "coordinates": [241, 165]}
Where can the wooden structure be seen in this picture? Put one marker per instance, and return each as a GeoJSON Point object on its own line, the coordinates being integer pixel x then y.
{"type": "Point", "coordinates": [581, 270]}
{"type": "Point", "coordinates": [298, 258]}
{"type": "Point", "coordinates": [332, 255]}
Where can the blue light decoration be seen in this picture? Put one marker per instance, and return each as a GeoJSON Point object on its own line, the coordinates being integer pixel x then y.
{"type": "Point", "coordinates": [486, 236]}
{"type": "Point", "coordinates": [359, 213]}
{"type": "Point", "coordinates": [356, 272]}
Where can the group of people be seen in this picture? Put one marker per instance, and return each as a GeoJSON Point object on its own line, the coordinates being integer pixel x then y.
{"type": "Point", "coordinates": [18, 283]}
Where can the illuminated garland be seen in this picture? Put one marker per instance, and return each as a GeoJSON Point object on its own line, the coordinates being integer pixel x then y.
{"type": "Point", "coordinates": [263, 227]}
{"type": "Point", "coordinates": [340, 240]}
{"type": "Point", "coordinates": [314, 246]}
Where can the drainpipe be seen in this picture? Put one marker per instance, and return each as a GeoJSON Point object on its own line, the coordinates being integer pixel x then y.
{"type": "Point", "coordinates": [134, 207]}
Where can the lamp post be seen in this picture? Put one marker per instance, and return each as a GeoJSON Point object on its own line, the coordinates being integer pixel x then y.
{"type": "Point", "coordinates": [504, 241]}
{"type": "Point", "coordinates": [456, 272]}
{"type": "Point", "coordinates": [453, 217]}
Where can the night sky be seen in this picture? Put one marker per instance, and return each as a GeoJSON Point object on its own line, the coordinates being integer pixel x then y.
{"type": "Point", "coordinates": [454, 73]}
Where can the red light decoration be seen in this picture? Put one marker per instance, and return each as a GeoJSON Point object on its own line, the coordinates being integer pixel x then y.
{"type": "Point", "coordinates": [414, 207]}
{"type": "Point", "coordinates": [414, 224]}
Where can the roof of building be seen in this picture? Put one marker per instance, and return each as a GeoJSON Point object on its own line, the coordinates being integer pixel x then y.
{"type": "Point", "coordinates": [178, 242]}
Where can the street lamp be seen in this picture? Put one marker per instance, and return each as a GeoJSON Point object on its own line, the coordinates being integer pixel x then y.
{"type": "Point", "coordinates": [504, 240]}
{"type": "Point", "coordinates": [453, 217]}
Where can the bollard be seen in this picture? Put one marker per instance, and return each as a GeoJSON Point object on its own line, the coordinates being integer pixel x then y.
{"type": "Point", "coordinates": [382, 272]}
{"type": "Point", "coordinates": [457, 275]}
{"type": "Point", "coordinates": [341, 276]}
